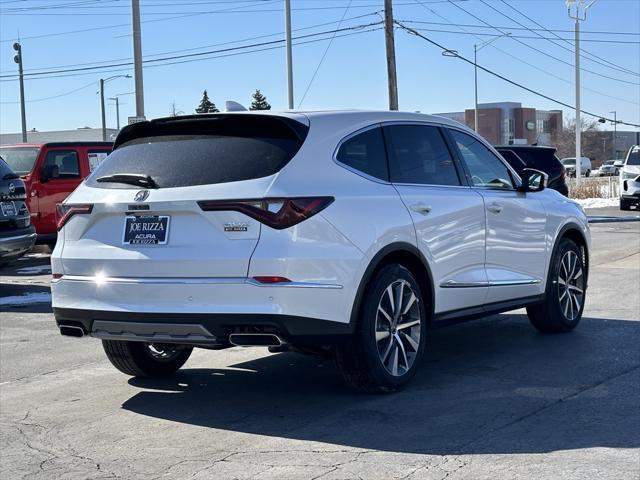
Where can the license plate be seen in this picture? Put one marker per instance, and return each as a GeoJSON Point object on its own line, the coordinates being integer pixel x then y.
{"type": "Point", "coordinates": [151, 230]}
{"type": "Point", "coordinates": [8, 209]}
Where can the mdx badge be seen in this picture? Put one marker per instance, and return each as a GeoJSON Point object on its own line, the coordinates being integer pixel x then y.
{"type": "Point", "coordinates": [236, 226]}
{"type": "Point", "coordinates": [141, 196]}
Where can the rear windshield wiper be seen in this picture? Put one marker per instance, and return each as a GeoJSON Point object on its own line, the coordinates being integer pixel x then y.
{"type": "Point", "coordinates": [10, 176]}
{"type": "Point", "coordinates": [129, 178]}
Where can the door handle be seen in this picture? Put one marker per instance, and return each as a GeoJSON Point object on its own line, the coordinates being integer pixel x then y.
{"type": "Point", "coordinates": [421, 208]}
{"type": "Point", "coordinates": [494, 208]}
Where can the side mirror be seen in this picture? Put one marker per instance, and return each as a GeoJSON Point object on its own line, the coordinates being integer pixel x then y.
{"type": "Point", "coordinates": [533, 180]}
{"type": "Point", "coordinates": [48, 172]}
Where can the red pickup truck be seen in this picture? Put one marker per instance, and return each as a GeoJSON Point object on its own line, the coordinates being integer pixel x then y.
{"type": "Point", "coordinates": [51, 171]}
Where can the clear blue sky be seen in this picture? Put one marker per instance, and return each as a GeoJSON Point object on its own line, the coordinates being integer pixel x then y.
{"type": "Point", "coordinates": [352, 75]}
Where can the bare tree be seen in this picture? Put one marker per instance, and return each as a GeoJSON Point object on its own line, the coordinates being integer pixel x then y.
{"type": "Point", "coordinates": [591, 141]}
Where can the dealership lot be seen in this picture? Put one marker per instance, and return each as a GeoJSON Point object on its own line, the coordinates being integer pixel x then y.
{"type": "Point", "coordinates": [494, 398]}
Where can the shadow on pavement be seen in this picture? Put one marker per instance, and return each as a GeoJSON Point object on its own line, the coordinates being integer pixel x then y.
{"type": "Point", "coordinates": [492, 386]}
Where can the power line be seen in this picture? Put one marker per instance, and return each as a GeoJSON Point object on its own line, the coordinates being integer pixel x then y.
{"type": "Point", "coordinates": [175, 57]}
{"type": "Point", "coordinates": [604, 63]}
{"type": "Point", "coordinates": [520, 60]}
{"type": "Point", "coordinates": [508, 80]}
{"type": "Point", "coordinates": [54, 96]}
{"type": "Point", "coordinates": [540, 51]}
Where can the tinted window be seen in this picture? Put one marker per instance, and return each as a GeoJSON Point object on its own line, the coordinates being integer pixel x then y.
{"type": "Point", "coordinates": [201, 151]}
{"type": "Point", "coordinates": [96, 157]}
{"type": "Point", "coordinates": [485, 168]}
{"type": "Point", "coordinates": [21, 160]}
{"type": "Point", "coordinates": [62, 164]}
{"type": "Point", "coordinates": [366, 153]}
{"type": "Point", "coordinates": [419, 154]}
{"type": "Point", "coordinates": [5, 171]}
{"type": "Point", "coordinates": [634, 156]}
{"type": "Point", "coordinates": [513, 159]}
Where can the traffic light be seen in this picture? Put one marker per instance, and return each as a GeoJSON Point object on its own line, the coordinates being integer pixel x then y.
{"type": "Point", "coordinates": [18, 56]}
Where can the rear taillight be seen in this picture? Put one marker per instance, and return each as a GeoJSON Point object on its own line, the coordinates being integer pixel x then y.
{"type": "Point", "coordinates": [65, 211]}
{"type": "Point", "coordinates": [276, 213]}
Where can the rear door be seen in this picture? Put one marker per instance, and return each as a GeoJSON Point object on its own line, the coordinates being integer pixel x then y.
{"type": "Point", "coordinates": [448, 216]}
{"type": "Point", "coordinates": [138, 232]}
{"type": "Point", "coordinates": [516, 224]}
{"type": "Point", "coordinates": [65, 171]}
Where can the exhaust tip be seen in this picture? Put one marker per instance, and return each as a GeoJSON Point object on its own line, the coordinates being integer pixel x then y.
{"type": "Point", "coordinates": [71, 331]}
{"type": "Point", "coordinates": [255, 340]}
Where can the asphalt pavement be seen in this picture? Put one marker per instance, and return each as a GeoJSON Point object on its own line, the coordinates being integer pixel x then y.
{"type": "Point", "coordinates": [493, 399]}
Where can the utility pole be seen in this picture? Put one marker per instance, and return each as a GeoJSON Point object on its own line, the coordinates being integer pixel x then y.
{"type": "Point", "coordinates": [287, 24]}
{"type": "Point", "coordinates": [476, 49]}
{"type": "Point", "coordinates": [392, 82]}
{"type": "Point", "coordinates": [615, 134]}
{"type": "Point", "coordinates": [117, 111]}
{"type": "Point", "coordinates": [18, 59]}
{"type": "Point", "coordinates": [579, 5]}
{"type": "Point", "coordinates": [137, 57]}
{"type": "Point", "coordinates": [102, 112]}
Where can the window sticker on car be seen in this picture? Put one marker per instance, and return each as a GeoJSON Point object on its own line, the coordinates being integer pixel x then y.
{"type": "Point", "coordinates": [95, 158]}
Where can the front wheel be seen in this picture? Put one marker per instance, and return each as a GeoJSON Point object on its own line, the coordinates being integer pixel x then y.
{"type": "Point", "coordinates": [140, 359]}
{"type": "Point", "coordinates": [386, 349]}
{"type": "Point", "coordinates": [562, 308]}
{"type": "Point", "coordinates": [588, 173]}
{"type": "Point", "coordinates": [624, 204]}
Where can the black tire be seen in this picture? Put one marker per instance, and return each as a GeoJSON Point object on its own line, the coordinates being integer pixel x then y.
{"type": "Point", "coordinates": [625, 204]}
{"type": "Point", "coordinates": [563, 306]}
{"type": "Point", "coordinates": [140, 359]}
{"type": "Point", "coordinates": [359, 359]}
{"type": "Point", "coordinates": [588, 173]}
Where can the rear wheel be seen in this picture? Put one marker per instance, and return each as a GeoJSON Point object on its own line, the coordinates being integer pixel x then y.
{"type": "Point", "coordinates": [588, 173]}
{"type": "Point", "coordinates": [385, 351]}
{"type": "Point", "coordinates": [140, 359]}
{"type": "Point", "coordinates": [565, 295]}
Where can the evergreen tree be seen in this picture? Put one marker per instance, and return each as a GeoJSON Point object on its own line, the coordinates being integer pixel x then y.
{"type": "Point", "coordinates": [259, 102]}
{"type": "Point", "coordinates": [206, 105]}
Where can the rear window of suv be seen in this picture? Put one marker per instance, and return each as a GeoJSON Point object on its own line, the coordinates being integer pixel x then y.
{"type": "Point", "coordinates": [203, 151]}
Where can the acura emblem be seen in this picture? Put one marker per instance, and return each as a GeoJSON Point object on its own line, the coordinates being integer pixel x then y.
{"type": "Point", "coordinates": [12, 188]}
{"type": "Point", "coordinates": [141, 196]}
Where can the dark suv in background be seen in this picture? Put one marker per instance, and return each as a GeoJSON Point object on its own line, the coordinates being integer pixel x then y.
{"type": "Point", "coordinates": [17, 235]}
{"type": "Point", "coordinates": [540, 158]}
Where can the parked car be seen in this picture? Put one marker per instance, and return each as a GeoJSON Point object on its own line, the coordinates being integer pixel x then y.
{"type": "Point", "coordinates": [538, 157]}
{"type": "Point", "coordinates": [630, 180]}
{"type": "Point", "coordinates": [608, 169]}
{"type": "Point", "coordinates": [51, 171]}
{"type": "Point", "coordinates": [17, 235]}
{"type": "Point", "coordinates": [346, 233]}
{"type": "Point", "coordinates": [570, 166]}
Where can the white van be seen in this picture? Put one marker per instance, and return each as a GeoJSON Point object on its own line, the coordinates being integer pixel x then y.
{"type": "Point", "coordinates": [570, 166]}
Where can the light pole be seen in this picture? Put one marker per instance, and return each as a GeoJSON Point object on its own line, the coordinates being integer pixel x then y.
{"type": "Point", "coordinates": [137, 57]}
{"type": "Point", "coordinates": [615, 134]}
{"type": "Point", "coordinates": [579, 6]}
{"type": "Point", "coordinates": [392, 81]}
{"type": "Point", "coordinates": [287, 25]}
{"type": "Point", "coordinates": [18, 59]}
{"type": "Point", "coordinates": [476, 48]}
{"type": "Point", "coordinates": [102, 111]}
{"type": "Point", "coordinates": [117, 100]}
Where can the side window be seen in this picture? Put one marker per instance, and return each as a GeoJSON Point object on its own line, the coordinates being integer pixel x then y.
{"type": "Point", "coordinates": [62, 164]}
{"type": "Point", "coordinates": [485, 168]}
{"type": "Point", "coordinates": [366, 153]}
{"type": "Point", "coordinates": [513, 159]}
{"type": "Point", "coordinates": [419, 154]}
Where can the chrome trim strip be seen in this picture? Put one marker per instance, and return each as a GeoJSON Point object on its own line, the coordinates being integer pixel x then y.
{"type": "Point", "coordinates": [487, 283]}
{"type": "Point", "coordinates": [19, 237]}
{"type": "Point", "coordinates": [191, 281]}
{"type": "Point", "coordinates": [457, 284]}
{"type": "Point", "coordinates": [500, 283]}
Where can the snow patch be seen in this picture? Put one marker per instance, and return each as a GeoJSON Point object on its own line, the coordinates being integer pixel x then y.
{"type": "Point", "coordinates": [39, 297]}
{"type": "Point", "coordinates": [597, 202]}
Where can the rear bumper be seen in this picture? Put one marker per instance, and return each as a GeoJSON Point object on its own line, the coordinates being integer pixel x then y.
{"type": "Point", "coordinates": [13, 244]}
{"type": "Point", "coordinates": [210, 330]}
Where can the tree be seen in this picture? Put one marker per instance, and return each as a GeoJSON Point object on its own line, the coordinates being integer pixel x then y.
{"type": "Point", "coordinates": [259, 102]}
{"type": "Point", "coordinates": [590, 139]}
{"type": "Point", "coordinates": [206, 105]}
{"type": "Point", "coordinates": [174, 112]}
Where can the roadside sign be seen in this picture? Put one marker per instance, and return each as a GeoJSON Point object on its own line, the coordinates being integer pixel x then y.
{"type": "Point", "coordinates": [133, 120]}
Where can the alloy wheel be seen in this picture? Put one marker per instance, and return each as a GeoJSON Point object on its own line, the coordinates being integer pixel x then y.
{"type": "Point", "coordinates": [163, 352]}
{"type": "Point", "coordinates": [398, 327]}
{"type": "Point", "coordinates": [570, 285]}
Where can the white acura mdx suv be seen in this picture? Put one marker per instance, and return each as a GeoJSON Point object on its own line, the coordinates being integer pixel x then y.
{"type": "Point", "coordinates": [342, 233]}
